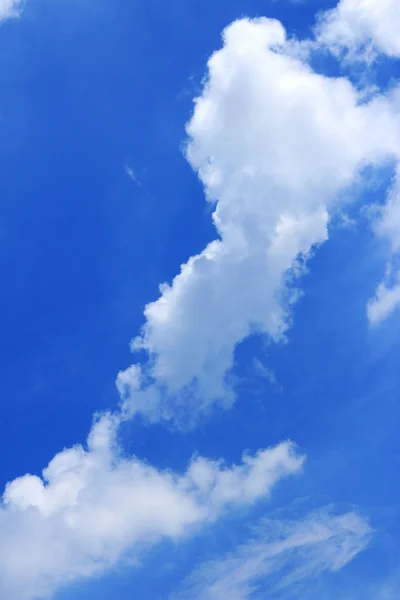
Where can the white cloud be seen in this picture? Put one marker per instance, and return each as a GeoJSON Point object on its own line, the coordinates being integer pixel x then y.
{"type": "Point", "coordinates": [93, 506]}
{"type": "Point", "coordinates": [388, 222]}
{"type": "Point", "coordinates": [384, 303]}
{"type": "Point", "coordinates": [10, 8]}
{"type": "Point", "coordinates": [282, 556]}
{"type": "Point", "coordinates": [387, 225]}
{"type": "Point", "coordinates": [368, 26]}
{"type": "Point", "coordinates": [275, 144]}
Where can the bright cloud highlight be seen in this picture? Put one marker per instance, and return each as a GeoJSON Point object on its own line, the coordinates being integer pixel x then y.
{"type": "Point", "coordinates": [365, 26]}
{"type": "Point", "coordinates": [275, 145]}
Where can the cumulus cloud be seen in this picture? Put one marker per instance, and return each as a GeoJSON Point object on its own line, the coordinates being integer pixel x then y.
{"type": "Point", "coordinates": [92, 506]}
{"type": "Point", "coordinates": [275, 145]}
{"type": "Point", "coordinates": [366, 26]}
{"type": "Point", "coordinates": [281, 556]}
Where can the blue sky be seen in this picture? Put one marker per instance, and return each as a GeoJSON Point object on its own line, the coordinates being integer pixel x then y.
{"type": "Point", "coordinates": [234, 432]}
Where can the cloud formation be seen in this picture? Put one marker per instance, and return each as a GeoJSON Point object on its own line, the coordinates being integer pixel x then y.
{"type": "Point", "coordinates": [10, 8]}
{"type": "Point", "coordinates": [275, 145]}
{"type": "Point", "coordinates": [362, 28]}
{"type": "Point", "coordinates": [385, 301]}
{"type": "Point", "coordinates": [283, 556]}
{"type": "Point", "coordinates": [387, 226]}
{"type": "Point", "coordinates": [93, 506]}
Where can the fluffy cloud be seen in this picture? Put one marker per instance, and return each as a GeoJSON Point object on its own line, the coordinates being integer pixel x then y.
{"type": "Point", "coordinates": [275, 145]}
{"type": "Point", "coordinates": [92, 506]}
{"type": "Point", "coordinates": [281, 556]}
{"type": "Point", "coordinates": [368, 26]}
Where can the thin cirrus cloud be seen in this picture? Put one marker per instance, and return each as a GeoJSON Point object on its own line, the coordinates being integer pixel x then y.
{"type": "Point", "coordinates": [282, 556]}
{"type": "Point", "coordinates": [275, 145]}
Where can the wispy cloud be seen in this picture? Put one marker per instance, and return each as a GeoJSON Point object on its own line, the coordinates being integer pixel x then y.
{"type": "Point", "coordinates": [131, 174]}
{"type": "Point", "coordinates": [386, 224]}
{"type": "Point", "coordinates": [283, 557]}
{"type": "Point", "coordinates": [384, 303]}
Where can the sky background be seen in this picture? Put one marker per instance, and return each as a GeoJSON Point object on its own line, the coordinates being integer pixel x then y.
{"type": "Point", "coordinates": [98, 207]}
